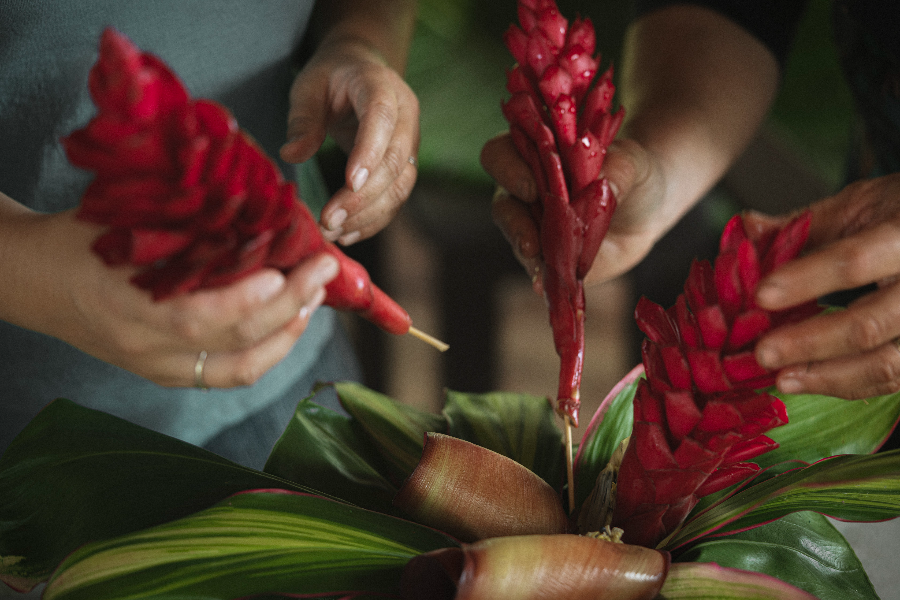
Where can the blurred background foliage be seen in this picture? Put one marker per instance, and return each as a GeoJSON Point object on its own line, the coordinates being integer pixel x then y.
{"type": "Point", "coordinates": [458, 66]}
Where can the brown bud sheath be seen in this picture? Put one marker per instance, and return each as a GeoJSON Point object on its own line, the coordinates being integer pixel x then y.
{"type": "Point", "coordinates": [474, 493]}
{"type": "Point", "coordinates": [537, 567]}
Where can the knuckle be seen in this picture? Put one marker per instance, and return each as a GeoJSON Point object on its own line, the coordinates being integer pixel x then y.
{"type": "Point", "coordinates": [853, 265]}
{"type": "Point", "coordinates": [884, 374]}
{"type": "Point", "coordinates": [130, 345]}
{"type": "Point", "coordinates": [382, 112]}
{"type": "Point", "coordinates": [188, 327]}
{"type": "Point", "coordinates": [247, 371]}
{"type": "Point", "coordinates": [394, 161]}
{"type": "Point", "coordinates": [866, 332]}
{"type": "Point", "coordinates": [247, 331]}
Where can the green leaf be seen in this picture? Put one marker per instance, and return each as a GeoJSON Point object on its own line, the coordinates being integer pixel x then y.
{"type": "Point", "coordinates": [76, 475]}
{"type": "Point", "coordinates": [709, 581]}
{"type": "Point", "coordinates": [611, 424]}
{"type": "Point", "coordinates": [850, 488]}
{"type": "Point", "coordinates": [803, 549]}
{"type": "Point", "coordinates": [252, 543]}
{"type": "Point", "coordinates": [326, 450]}
{"type": "Point", "coordinates": [518, 426]}
{"type": "Point", "coordinates": [397, 430]}
{"type": "Point", "coordinates": [822, 426]}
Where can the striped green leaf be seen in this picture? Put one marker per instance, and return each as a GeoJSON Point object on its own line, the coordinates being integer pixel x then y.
{"type": "Point", "coordinates": [850, 487]}
{"type": "Point", "coordinates": [709, 581]}
{"type": "Point", "coordinates": [822, 426]}
{"type": "Point", "coordinates": [250, 544]}
{"type": "Point", "coordinates": [77, 475]}
{"type": "Point", "coordinates": [803, 548]}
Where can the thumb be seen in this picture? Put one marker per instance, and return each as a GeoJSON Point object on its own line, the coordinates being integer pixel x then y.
{"type": "Point", "coordinates": [625, 166]}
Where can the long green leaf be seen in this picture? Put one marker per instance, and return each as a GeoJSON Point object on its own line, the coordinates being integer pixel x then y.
{"type": "Point", "coordinates": [252, 543]}
{"type": "Point", "coordinates": [851, 488]}
{"type": "Point", "coordinates": [803, 549]}
{"type": "Point", "coordinates": [709, 581]}
{"type": "Point", "coordinates": [822, 426]}
{"type": "Point", "coordinates": [75, 475]}
{"type": "Point", "coordinates": [326, 450]}
{"type": "Point", "coordinates": [611, 424]}
{"type": "Point", "coordinates": [397, 430]}
{"type": "Point", "coordinates": [519, 426]}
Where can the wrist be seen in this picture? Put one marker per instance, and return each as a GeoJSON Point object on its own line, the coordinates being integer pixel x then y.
{"type": "Point", "coordinates": [381, 28]}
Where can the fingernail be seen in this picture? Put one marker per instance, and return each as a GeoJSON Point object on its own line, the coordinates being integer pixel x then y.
{"type": "Point", "coordinates": [267, 285]}
{"type": "Point", "coordinates": [317, 300]}
{"type": "Point", "coordinates": [769, 295]}
{"type": "Point", "coordinates": [337, 219]}
{"type": "Point", "coordinates": [789, 385]}
{"type": "Point", "coordinates": [350, 238]}
{"type": "Point", "coordinates": [359, 179]}
{"type": "Point", "coordinates": [613, 188]}
{"type": "Point", "coordinates": [326, 270]}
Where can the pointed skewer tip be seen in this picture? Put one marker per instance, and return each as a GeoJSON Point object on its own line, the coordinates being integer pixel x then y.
{"type": "Point", "coordinates": [430, 340]}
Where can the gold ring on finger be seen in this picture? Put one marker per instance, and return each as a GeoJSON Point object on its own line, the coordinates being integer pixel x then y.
{"type": "Point", "coordinates": [199, 382]}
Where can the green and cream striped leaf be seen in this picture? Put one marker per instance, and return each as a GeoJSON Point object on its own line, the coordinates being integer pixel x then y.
{"type": "Point", "coordinates": [850, 487]}
{"type": "Point", "coordinates": [823, 426]}
{"type": "Point", "coordinates": [709, 581]}
{"type": "Point", "coordinates": [262, 542]}
{"type": "Point", "coordinates": [77, 475]}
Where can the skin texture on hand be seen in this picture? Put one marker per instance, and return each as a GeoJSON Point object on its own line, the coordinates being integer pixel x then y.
{"type": "Point", "coordinates": [635, 179]}
{"type": "Point", "coordinates": [695, 88]}
{"type": "Point", "coordinates": [854, 241]}
{"type": "Point", "coordinates": [56, 285]}
{"type": "Point", "coordinates": [352, 88]}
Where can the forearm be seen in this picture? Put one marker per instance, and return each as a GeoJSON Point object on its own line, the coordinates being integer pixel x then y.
{"type": "Point", "coordinates": [385, 26]}
{"type": "Point", "coordinates": [696, 88]}
{"type": "Point", "coordinates": [24, 299]}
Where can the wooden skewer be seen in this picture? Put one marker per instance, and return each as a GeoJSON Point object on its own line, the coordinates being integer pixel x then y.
{"type": "Point", "coordinates": [430, 340]}
{"type": "Point", "coordinates": [570, 471]}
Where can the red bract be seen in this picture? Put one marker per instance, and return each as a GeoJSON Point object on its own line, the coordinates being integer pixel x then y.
{"type": "Point", "coordinates": [561, 125]}
{"type": "Point", "coordinates": [190, 198]}
{"type": "Point", "coordinates": [698, 418]}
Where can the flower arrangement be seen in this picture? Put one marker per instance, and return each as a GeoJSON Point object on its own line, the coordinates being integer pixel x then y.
{"type": "Point", "coordinates": [688, 481]}
{"type": "Point", "coordinates": [106, 509]}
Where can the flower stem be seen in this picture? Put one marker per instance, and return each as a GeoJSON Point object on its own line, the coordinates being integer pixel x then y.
{"type": "Point", "coordinates": [570, 471]}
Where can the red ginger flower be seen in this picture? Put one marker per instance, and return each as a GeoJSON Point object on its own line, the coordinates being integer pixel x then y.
{"type": "Point", "coordinates": [697, 416]}
{"type": "Point", "coordinates": [189, 197]}
{"type": "Point", "coordinates": [561, 125]}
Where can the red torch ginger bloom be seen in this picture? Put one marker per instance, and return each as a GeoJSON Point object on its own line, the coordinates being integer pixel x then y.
{"type": "Point", "coordinates": [698, 417]}
{"type": "Point", "coordinates": [561, 125]}
{"type": "Point", "coordinates": [189, 198]}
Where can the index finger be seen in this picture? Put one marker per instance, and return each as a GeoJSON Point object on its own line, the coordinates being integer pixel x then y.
{"type": "Point", "coordinates": [378, 110]}
{"type": "Point", "coordinates": [502, 162]}
{"type": "Point", "coordinates": [863, 258]}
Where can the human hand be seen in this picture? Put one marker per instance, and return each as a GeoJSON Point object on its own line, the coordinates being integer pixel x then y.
{"type": "Point", "coordinates": [854, 241]}
{"type": "Point", "coordinates": [639, 221]}
{"type": "Point", "coordinates": [246, 327]}
{"type": "Point", "coordinates": [347, 90]}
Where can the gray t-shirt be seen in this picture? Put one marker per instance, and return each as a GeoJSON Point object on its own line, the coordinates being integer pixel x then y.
{"type": "Point", "coordinates": [239, 53]}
